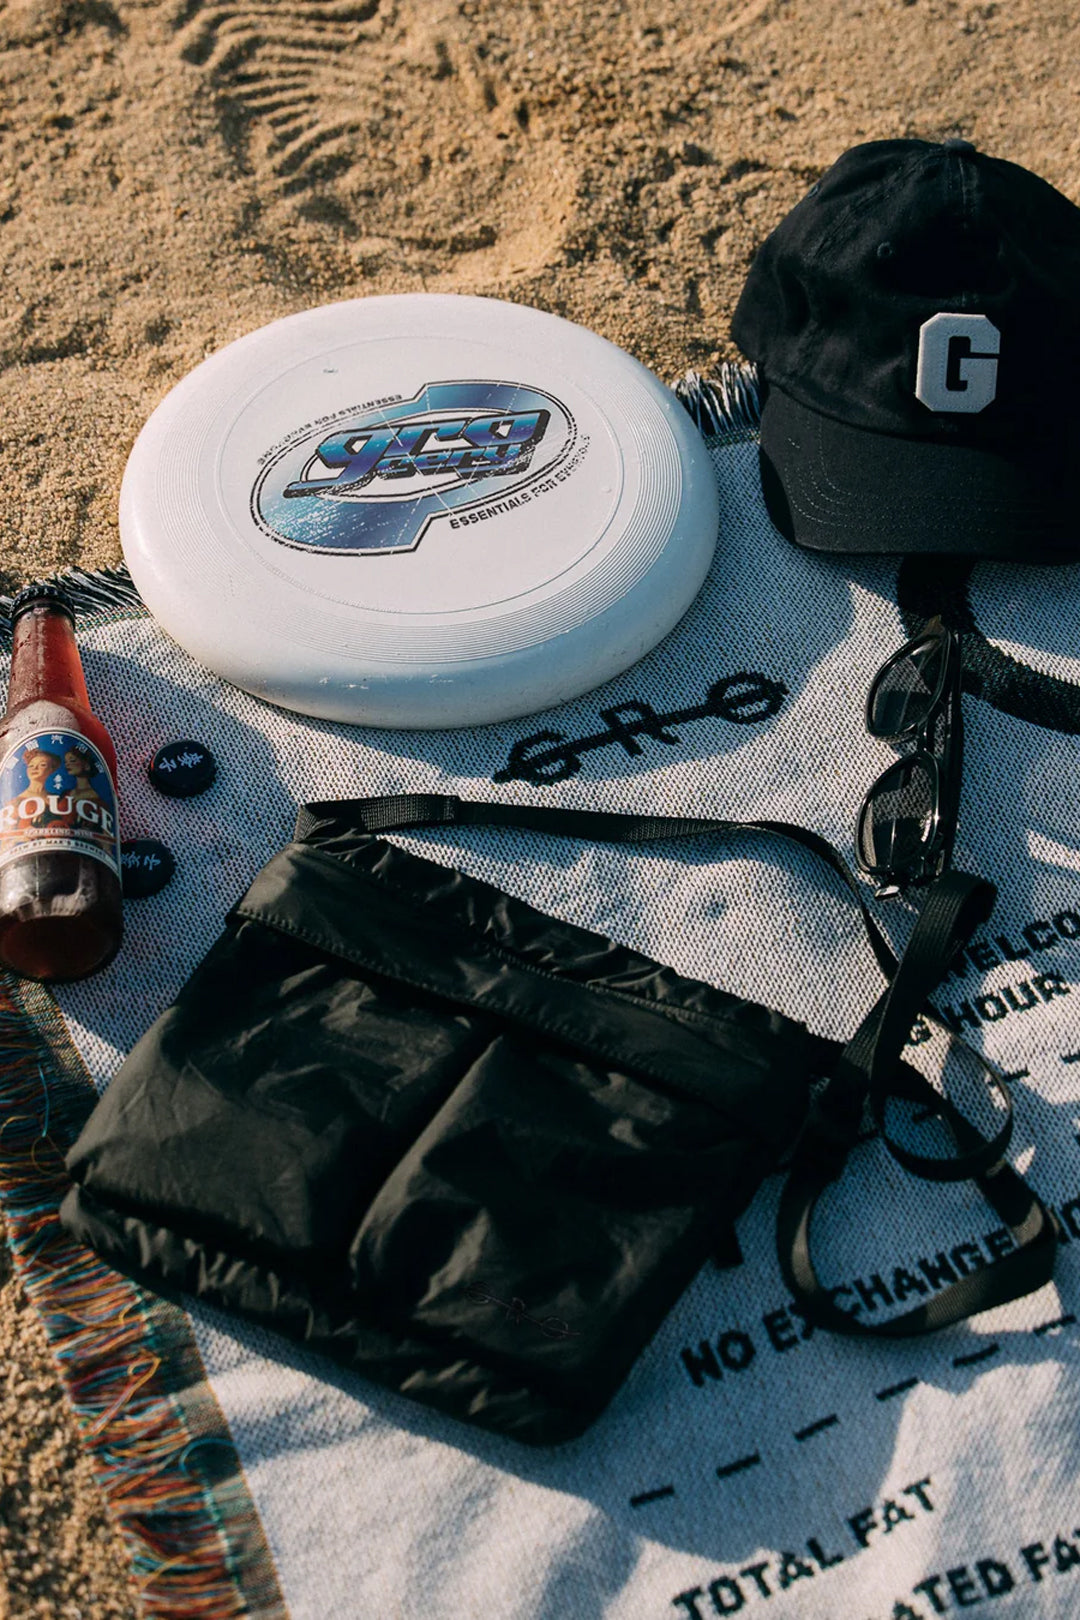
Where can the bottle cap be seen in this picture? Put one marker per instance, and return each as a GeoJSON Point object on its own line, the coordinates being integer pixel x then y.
{"type": "Point", "coordinates": [41, 590]}
{"type": "Point", "coordinates": [182, 769]}
{"type": "Point", "coordinates": [146, 866]}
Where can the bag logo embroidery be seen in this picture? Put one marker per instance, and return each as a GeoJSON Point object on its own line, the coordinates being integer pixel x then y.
{"type": "Point", "coordinates": [552, 1327]}
{"type": "Point", "coordinates": [958, 363]}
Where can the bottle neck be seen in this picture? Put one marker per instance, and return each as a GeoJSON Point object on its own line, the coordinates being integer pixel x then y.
{"type": "Point", "coordinates": [45, 660]}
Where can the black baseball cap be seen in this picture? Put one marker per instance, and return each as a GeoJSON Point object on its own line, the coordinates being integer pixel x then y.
{"type": "Point", "coordinates": [915, 321]}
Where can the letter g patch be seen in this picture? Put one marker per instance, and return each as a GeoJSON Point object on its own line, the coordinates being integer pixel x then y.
{"type": "Point", "coordinates": [958, 363]}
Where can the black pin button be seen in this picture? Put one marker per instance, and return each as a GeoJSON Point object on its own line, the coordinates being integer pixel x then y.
{"type": "Point", "coordinates": [145, 866]}
{"type": "Point", "coordinates": [182, 769]}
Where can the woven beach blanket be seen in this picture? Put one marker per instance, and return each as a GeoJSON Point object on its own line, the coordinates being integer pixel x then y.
{"type": "Point", "coordinates": [749, 1465]}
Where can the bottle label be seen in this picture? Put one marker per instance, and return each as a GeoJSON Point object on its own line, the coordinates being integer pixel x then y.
{"type": "Point", "coordinates": [56, 795]}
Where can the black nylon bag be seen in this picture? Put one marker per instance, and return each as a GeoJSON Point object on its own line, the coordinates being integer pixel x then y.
{"type": "Point", "coordinates": [470, 1150]}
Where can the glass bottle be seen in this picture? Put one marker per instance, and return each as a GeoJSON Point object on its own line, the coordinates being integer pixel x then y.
{"type": "Point", "coordinates": [60, 893]}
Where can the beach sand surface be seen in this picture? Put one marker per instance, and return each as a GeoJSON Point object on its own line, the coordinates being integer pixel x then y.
{"type": "Point", "coordinates": [175, 174]}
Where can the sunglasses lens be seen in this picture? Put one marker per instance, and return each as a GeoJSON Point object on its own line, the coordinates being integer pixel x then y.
{"type": "Point", "coordinates": [904, 692]}
{"type": "Point", "coordinates": [898, 817]}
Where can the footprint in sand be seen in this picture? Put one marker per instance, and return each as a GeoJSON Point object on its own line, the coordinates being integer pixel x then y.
{"type": "Point", "coordinates": [290, 69]}
{"type": "Point", "coordinates": [384, 125]}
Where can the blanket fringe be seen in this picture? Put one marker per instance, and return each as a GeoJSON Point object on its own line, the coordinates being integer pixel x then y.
{"type": "Point", "coordinates": [106, 590]}
{"type": "Point", "coordinates": [728, 403]}
{"type": "Point", "coordinates": [172, 1478]}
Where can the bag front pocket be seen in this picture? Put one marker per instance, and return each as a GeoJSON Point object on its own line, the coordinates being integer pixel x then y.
{"type": "Point", "coordinates": [548, 1217]}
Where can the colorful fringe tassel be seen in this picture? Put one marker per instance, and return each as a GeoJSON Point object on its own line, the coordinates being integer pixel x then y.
{"type": "Point", "coordinates": [129, 1362]}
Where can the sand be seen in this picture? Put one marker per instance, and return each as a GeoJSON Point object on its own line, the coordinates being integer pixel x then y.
{"type": "Point", "coordinates": [175, 174]}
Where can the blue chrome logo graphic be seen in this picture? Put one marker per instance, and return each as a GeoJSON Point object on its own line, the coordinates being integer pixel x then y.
{"type": "Point", "coordinates": [371, 483]}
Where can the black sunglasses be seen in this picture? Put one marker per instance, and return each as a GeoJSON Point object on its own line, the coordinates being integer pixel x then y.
{"type": "Point", "coordinates": [907, 823]}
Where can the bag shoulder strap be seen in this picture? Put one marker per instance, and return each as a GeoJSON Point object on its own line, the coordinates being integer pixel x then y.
{"type": "Point", "coordinates": [403, 811]}
{"type": "Point", "coordinates": [871, 1066]}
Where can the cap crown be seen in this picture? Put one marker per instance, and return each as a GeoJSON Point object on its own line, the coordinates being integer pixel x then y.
{"type": "Point", "coordinates": [42, 591]}
{"type": "Point", "coordinates": [847, 304]}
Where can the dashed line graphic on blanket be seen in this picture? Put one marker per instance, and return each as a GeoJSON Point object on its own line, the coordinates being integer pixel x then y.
{"type": "Point", "coordinates": [735, 1350]}
{"type": "Point", "coordinates": [892, 1390]}
{"type": "Point", "coordinates": [652, 1496]}
{"type": "Point", "coordinates": [817, 1427]}
{"type": "Point", "coordinates": [1068, 1320]}
{"type": "Point", "coordinates": [545, 757]}
{"type": "Point", "coordinates": [973, 1357]}
{"type": "Point", "coordinates": [739, 1466]}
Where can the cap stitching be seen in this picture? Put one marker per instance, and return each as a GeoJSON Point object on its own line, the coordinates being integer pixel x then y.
{"type": "Point", "coordinates": [848, 515]}
{"type": "Point", "coordinates": [829, 503]}
{"type": "Point", "coordinates": [963, 299]}
{"type": "Point", "coordinates": [855, 210]}
{"type": "Point", "coordinates": [792, 394]}
{"type": "Point", "coordinates": [958, 498]}
{"type": "Point", "coordinates": [844, 228]}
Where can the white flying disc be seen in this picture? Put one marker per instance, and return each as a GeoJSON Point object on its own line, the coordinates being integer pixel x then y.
{"type": "Point", "coordinates": [419, 511]}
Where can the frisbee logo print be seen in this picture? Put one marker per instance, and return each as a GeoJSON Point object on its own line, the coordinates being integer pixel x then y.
{"type": "Point", "coordinates": [372, 483]}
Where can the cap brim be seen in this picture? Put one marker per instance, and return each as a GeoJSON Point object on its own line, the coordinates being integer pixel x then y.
{"type": "Point", "coordinates": [837, 488]}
